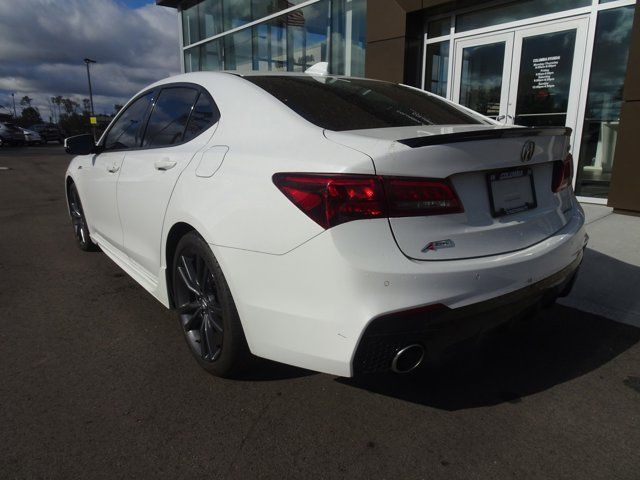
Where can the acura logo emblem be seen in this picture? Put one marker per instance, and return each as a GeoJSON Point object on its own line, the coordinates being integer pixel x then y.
{"type": "Point", "coordinates": [528, 149]}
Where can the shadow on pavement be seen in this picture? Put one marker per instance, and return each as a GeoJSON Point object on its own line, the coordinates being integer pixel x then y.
{"type": "Point", "coordinates": [557, 345]}
{"type": "Point", "coordinates": [263, 370]}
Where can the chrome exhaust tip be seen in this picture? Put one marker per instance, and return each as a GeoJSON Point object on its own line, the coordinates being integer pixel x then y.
{"type": "Point", "coordinates": [408, 358]}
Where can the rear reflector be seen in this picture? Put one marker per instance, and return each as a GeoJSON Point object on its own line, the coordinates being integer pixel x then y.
{"type": "Point", "coordinates": [330, 200]}
{"type": "Point", "coordinates": [562, 174]}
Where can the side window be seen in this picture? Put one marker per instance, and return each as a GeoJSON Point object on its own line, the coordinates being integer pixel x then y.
{"type": "Point", "coordinates": [125, 133]}
{"type": "Point", "coordinates": [169, 117]}
{"type": "Point", "coordinates": [204, 115]}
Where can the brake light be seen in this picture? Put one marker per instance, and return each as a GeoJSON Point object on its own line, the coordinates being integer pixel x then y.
{"type": "Point", "coordinates": [330, 200]}
{"type": "Point", "coordinates": [562, 174]}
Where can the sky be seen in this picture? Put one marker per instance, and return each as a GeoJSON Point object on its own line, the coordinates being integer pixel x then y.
{"type": "Point", "coordinates": [43, 44]}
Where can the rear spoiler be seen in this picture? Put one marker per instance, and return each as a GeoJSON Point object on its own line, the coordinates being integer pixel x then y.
{"type": "Point", "coordinates": [475, 135]}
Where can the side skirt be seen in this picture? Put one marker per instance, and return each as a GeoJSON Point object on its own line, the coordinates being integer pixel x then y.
{"type": "Point", "coordinates": [156, 288]}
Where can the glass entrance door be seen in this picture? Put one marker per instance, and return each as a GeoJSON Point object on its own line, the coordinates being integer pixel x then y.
{"type": "Point", "coordinates": [529, 76]}
{"type": "Point", "coordinates": [482, 72]}
{"type": "Point", "coordinates": [547, 73]}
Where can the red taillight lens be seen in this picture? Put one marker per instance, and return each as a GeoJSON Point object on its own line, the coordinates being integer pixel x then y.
{"type": "Point", "coordinates": [330, 200]}
{"type": "Point", "coordinates": [562, 174]}
{"type": "Point", "coordinates": [415, 197]}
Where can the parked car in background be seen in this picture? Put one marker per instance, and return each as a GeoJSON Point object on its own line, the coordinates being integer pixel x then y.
{"type": "Point", "coordinates": [31, 137]}
{"type": "Point", "coordinates": [338, 224]}
{"type": "Point", "coordinates": [49, 132]}
{"type": "Point", "coordinates": [10, 134]}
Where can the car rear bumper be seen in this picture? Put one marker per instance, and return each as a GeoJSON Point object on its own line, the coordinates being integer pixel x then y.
{"type": "Point", "coordinates": [317, 305]}
{"type": "Point", "coordinates": [439, 329]}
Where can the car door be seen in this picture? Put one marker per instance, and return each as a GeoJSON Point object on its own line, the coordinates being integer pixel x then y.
{"type": "Point", "coordinates": [99, 185]}
{"type": "Point", "coordinates": [179, 114]}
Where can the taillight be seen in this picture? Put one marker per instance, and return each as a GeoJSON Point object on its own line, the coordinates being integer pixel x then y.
{"type": "Point", "coordinates": [562, 174]}
{"type": "Point", "coordinates": [408, 197]}
{"type": "Point", "coordinates": [330, 200]}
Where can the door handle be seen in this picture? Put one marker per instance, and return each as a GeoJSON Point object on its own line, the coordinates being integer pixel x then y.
{"type": "Point", "coordinates": [113, 168]}
{"type": "Point", "coordinates": [164, 164]}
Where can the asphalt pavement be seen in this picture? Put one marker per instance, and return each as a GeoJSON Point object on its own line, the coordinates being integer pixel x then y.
{"type": "Point", "coordinates": [97, 382]}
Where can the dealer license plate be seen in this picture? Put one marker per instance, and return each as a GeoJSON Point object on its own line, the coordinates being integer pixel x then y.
{"type": "Point", "coordinates": [511, 191]}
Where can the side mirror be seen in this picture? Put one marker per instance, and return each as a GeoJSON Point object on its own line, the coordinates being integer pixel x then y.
{"type": "Point", "coordinates": [80, 145]}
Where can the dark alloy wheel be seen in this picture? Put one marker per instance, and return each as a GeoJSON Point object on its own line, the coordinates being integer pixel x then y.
{"type": "Point", "coordinates": [79, 221]}
{"type": "Point", "coordinates": [207, 314]}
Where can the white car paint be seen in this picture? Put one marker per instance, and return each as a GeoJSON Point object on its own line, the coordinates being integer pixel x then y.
{"type": "Point", "coordinates": [305, 294]}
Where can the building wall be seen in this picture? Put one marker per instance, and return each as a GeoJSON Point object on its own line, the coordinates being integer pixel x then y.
{"type": "Point", "coordinates": [625, 178]}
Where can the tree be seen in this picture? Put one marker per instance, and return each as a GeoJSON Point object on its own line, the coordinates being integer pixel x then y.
{"type": "Point", "coordinates": [57, 101]}
{"type": "Point", "coordinates": [116, 108]}
{"type": "Point", "coordinates": [86, 106]}
{"type": "Point", "coordinates": [26, 101]}
{"type": "Point", "coordinates": [69, 106]}
{"type": "Point", "coordinates": [30, 116]}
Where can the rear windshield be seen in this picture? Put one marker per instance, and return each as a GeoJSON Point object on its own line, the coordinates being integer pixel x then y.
{"type": "Point", "coordinates": [353, 104]}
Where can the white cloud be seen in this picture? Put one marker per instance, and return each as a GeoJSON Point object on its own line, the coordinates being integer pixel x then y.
{"type": "Point", "coordinates": [43, 43]}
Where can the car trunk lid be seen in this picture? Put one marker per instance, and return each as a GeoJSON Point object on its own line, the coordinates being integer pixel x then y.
{"type": "Point", "coordinates": [503, 177]}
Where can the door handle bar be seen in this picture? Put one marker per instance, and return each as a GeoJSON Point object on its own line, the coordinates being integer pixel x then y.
{"type": "Point", "coordinates": [164, 164]}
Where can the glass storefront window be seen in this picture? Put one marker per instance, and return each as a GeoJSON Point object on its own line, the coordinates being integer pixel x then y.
{"type": "Point", "coordinates": [439, 28]}
{"type": "Point", "coordinates": [263, 8]}
{"type": "Point", "coordinates": [293, 41]}
{"type": "Point", "coordinates": [210, 16]}
{"type": "Point", "coordinates": [192, 60]}
{"type": "Point", "coordinates": [513, 11]}
{"type": "Point", "coordinates": [238, 53]}
{"type": "Point", "coordinates": [604, 101]}
{"type": "Point", "coordinates": [190, 27]}
{"type": "Point", "coordinates": [211, 55]}
{"type": "Point", "coordinates": [235, 13]}
{"type": "Point", "coordinates": [200, 20]}
{"type": "Point", "coordinates": [437, 68]}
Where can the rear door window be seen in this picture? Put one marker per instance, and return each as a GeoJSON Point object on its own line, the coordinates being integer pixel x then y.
{"type": "Point", "coordinates": [341, 104]}
{"type": "Point", "coordinates": [169, 118]}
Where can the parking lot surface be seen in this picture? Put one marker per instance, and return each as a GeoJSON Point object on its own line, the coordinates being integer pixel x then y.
{"type": "Point", "coordinates": [97, 382]}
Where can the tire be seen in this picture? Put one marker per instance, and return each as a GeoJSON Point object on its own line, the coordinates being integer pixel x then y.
{"type": "Point", "coordinates": [79, 221]}
{"type": "Point", "coordinates": [61, 141]}
{"type": "Point", "coordinates": [206, 311]}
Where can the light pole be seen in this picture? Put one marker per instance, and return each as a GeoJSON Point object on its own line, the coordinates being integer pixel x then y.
{"type": "Point", "coordinates": [15, 114]}
{"type": "Point", "coordinates": [87, 61]}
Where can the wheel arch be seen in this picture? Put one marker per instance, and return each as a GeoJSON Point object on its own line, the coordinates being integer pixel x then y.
{"type": "Point", "coordinates": [67, 185]}
{"type": "Point", "coordinates": [176, 232]}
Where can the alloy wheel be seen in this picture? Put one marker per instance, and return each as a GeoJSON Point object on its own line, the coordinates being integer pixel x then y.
{"type": "Point", "coordinates": [77, 216]}
{"type": "Point", "coordinates": [199, 306]}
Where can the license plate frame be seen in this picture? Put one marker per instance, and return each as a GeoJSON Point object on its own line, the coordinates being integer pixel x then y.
{"type": "Point", "coordinates": [519, 174]}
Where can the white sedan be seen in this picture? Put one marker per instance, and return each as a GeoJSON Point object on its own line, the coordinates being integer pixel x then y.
{"type": "Point", "coordinates": [338, 224]}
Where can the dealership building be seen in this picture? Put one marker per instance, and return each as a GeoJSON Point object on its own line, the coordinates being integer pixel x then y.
{"type": "Point", "coordinates": [526, 62]}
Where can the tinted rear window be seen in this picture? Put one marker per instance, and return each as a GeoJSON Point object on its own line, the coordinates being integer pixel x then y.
{"type": "Point", "coordinates": [353, 104]}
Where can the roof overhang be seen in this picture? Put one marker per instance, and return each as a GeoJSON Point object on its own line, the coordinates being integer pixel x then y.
{"type": "Point", "coordinates": [168, 3]}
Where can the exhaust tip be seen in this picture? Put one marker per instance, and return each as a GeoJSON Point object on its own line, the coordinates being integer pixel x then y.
{"type": "Point", "coordinates": [408, 358]}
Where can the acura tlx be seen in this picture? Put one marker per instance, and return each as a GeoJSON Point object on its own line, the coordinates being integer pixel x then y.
{"type": "Point", "coordinates": [343, 225]}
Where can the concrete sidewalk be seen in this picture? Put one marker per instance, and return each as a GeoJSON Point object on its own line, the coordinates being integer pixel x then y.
{"type": "Point", "coordinates": [609, 281]}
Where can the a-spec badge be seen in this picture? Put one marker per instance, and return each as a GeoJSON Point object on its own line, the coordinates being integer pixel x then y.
{"type": "Point", "coordinates": [437, 245]}
{"type": "Point", "coordinates": [528, 149]}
